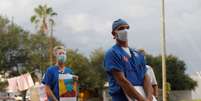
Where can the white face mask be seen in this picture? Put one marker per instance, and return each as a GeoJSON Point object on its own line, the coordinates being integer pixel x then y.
{"type": "Point", "coordinates": [122, 35]}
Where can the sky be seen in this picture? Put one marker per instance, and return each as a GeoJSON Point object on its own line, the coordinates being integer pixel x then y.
{"type": "Point", "coordinates": [86, 24]}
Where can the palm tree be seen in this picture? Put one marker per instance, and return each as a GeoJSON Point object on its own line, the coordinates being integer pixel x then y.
{"type": "Point", "coordinates": [43, 19]}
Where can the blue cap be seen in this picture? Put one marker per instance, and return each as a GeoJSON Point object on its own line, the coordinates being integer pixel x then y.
{"type": "Point", "coordinates": [118, 23]}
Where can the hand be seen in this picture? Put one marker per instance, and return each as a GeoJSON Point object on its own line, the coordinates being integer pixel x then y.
{"type": "Point", "coordinates": [156, 97]}
{"type": "Point", "coordinates": [145, 100]}
{"type": "Point", "coordinates": [142, 99]}
{"type": "Point", "coordinates": [150, 98]}
{"type": "Point", "coordinates": [75, 77]}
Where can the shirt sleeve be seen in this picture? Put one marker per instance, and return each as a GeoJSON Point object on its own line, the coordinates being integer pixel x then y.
{"type": "Point", "coordinates": [48, 78]}
{"type": "Point", "coordinates": [112, 62]}
{"type": "Point", "coordinates": [154, 82]}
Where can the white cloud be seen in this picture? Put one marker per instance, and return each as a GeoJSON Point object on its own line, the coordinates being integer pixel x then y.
{"type": "Point", "coordinates": [78, 23]}
{"type": "Point", "coordinates": [86, 24]}
{"type": "Point", "coordinates": [5, 4]}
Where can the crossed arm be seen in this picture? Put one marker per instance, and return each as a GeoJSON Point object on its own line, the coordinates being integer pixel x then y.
{"type": "Point", "coordinates": [130, 90]}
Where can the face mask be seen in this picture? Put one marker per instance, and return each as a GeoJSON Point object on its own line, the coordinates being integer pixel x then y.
{"type": "Point", "coordinates": [122, 35]}
{"type": "Point", "coordinates": [61, 58]}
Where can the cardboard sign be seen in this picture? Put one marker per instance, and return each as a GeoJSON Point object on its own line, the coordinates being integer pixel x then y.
{"type": "Point", "coordinates": [68, 88]}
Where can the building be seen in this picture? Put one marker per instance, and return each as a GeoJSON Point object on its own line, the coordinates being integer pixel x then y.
{"type": "Point", "coordinates": [196, 94]}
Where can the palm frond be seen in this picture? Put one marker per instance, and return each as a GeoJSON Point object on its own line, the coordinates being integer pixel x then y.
{"type": "Point", "coordinates": [43, 17]}
{"type": "Point", "coordinates": [53, 14]}
{"type": "Point", "coordinates": [49, 10]}
{"type": "Point", "coordinates": [33, 18]}
{"type": "Point", "coordinates": [40, 7]}
{"type": "Point", "coordinates": [38, 11]}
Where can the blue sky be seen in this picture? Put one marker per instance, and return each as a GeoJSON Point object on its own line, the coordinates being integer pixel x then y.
{"type": "Point", "coordinates": [86, 24]}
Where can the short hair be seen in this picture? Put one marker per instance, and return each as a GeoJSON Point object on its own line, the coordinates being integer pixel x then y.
{"type": "Point", "coordinates": [56, 48]}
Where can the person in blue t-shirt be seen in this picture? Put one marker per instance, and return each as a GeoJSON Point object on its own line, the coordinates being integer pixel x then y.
{"type": "Point", "coordinates": [126, 68]}
{"type": "Point", "coordinates": [50, 79]}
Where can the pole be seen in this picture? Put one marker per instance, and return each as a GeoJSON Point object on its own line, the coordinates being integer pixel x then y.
{"type": "Point", "coordinates": [163, 50]}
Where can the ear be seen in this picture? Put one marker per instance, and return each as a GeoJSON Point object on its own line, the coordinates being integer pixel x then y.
{"type": "Point", "coordinates": [113, 34]}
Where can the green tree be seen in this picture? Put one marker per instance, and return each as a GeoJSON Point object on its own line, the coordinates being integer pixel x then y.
{"type": "Point", "coordinates": [175, 72]}
{"type": "Point", "coordinates": [21, 51]}
{"type": "Point", "coordinates": [90, 70]}
{"type": "Point", "coordinates": [43, 18]}
{"type": "Point", "coordinates": [13, 45]}
{"type": "Point", "coordinates": [39, 51]}
{"type": "Point", "coordinates": [96, 62]}
{"type": "Point", "coordinates": [81, 67]}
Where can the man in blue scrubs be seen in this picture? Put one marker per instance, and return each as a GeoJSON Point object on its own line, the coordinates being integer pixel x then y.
{"type": "Point", "coordinates": [126, 68]}
{"type": "Point", "coordinates": [50, 79]}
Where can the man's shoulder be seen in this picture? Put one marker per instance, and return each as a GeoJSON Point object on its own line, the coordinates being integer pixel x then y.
{"type": "Point", "coordinates": [109, 51]}
{"type": "Point", "coordinates": [113, 49]}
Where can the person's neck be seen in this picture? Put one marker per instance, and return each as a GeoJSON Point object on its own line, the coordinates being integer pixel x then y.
{"type": "Point", "coordinates": [61, 66]}
{"type": "Point", "coordinates": [123, 44]}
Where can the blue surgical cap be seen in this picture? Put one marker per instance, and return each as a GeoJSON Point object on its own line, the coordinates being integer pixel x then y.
{"type": "Point", "coordinates": [118, 23]}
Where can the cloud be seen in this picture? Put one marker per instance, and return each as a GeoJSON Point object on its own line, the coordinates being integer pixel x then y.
{"type": "Point", "coordinates": [86, 24]}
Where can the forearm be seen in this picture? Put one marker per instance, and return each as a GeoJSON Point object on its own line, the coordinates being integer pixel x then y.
{"type": "Point", "coordinates": [131, 91]}
{"type": "Point", "coordinates": [148, 90]}
{"type": "Point", "coordinates": [50, 93]}
{"type": "Point", "coordinates": [127, 86]}
{"type": "Point", "coordinates": [155, 90]}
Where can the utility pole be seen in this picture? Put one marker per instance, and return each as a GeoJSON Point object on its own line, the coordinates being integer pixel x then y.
{"type": "Point", "coordinates": [163, 49]}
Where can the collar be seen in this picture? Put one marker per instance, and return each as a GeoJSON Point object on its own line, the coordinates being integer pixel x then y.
{"type": "Point", "coordinates": [119, 49]}
{"type": "Point", "coordinates": [60, 71]}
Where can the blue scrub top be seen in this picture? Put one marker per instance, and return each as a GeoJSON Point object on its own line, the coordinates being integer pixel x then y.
{"type": "Point", "coordinates": [133, 68]}
{"type": "Point", "coordinates": [51, 78]}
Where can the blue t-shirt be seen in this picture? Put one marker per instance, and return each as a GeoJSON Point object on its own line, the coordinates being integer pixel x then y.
{"type": "Point", "coordinates": [133, 68]}
{"type": "Point", "coordinates": [51, 78]}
